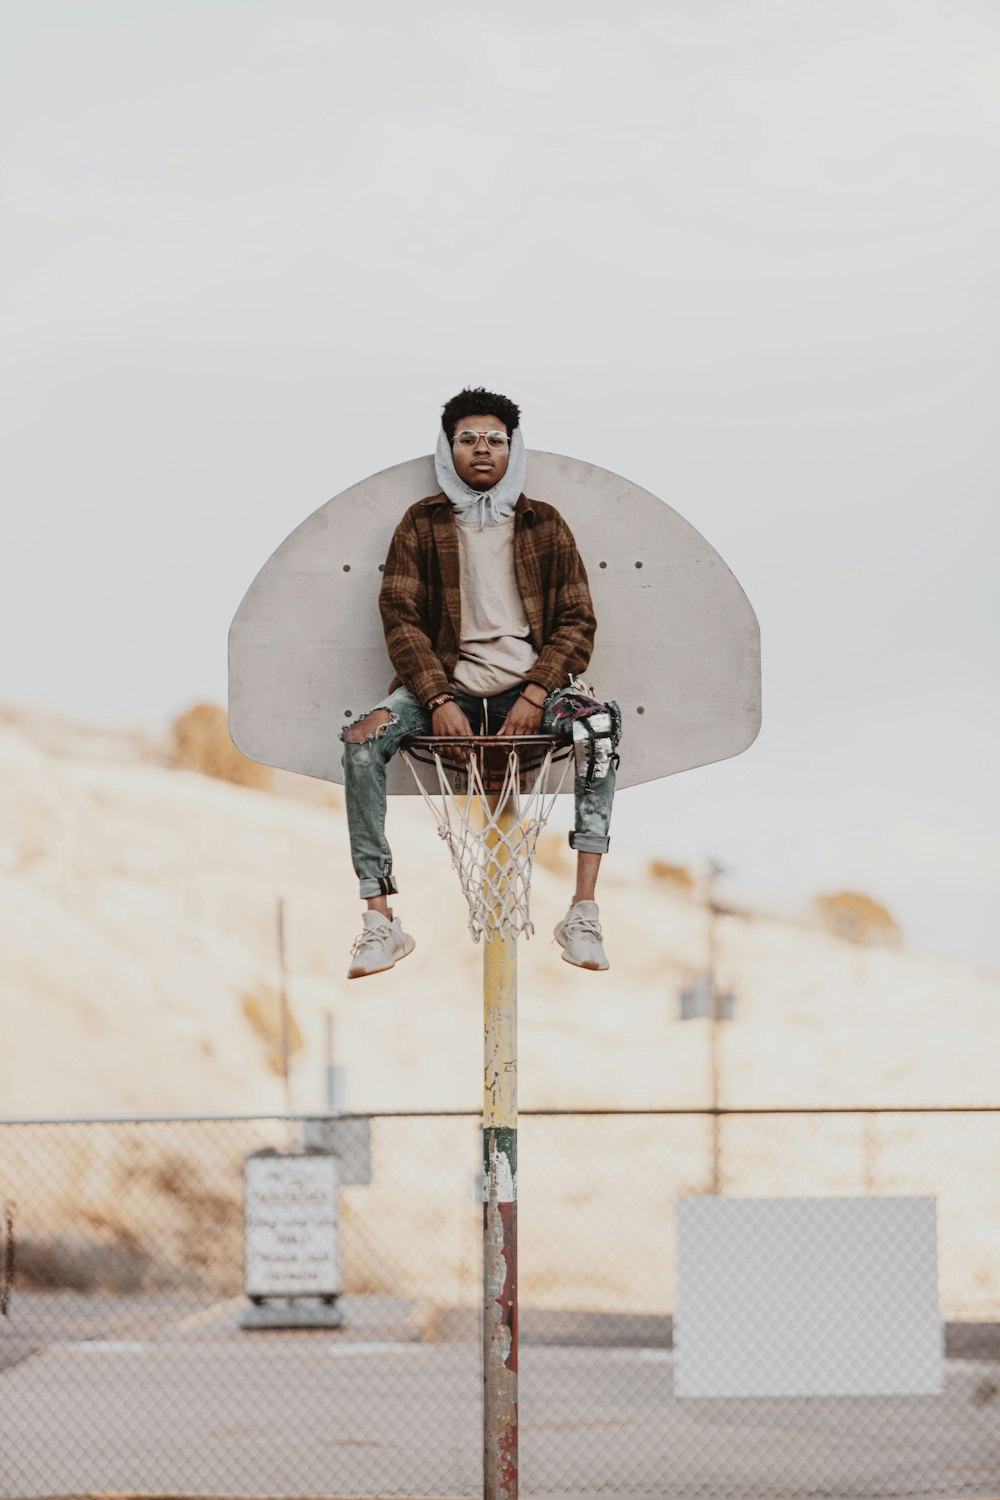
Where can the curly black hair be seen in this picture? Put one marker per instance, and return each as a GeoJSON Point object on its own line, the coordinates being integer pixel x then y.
{"type": "Point", "coordinates": [474, 401]}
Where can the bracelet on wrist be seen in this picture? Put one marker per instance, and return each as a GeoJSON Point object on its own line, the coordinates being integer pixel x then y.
{"type": "Point", "coordinates": [440, 701]}
{"type": "Point", "coordinates": [539, 706]}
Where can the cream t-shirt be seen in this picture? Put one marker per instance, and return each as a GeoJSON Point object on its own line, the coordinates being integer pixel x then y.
{"type": "Point", "coordinates": [495, 650]}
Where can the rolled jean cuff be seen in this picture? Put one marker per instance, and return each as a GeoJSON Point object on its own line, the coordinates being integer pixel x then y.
{"type": "Point", "coordinates": [384, 885]}
{"type": "Point", "coordinates": [589, 843]}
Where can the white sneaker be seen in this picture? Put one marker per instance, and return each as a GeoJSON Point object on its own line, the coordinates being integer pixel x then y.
{"type": "Point", "coordinates": [579, 934]}
{"type": "Point", "coordinates": [378, 945]}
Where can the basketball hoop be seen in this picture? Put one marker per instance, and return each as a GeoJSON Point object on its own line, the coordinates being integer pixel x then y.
{"type": "Point", "coordinates": [678, 640]}
{"type": "Point", "coordinates": [490, 797]}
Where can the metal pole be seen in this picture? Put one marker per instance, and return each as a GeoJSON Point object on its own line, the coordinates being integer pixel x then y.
{"type": "Point", "coordinates": [500, 1212]}
{"type": "Point", "coordinates": [283, 1001]}
{"type": "Point", "coordinates": [713, 992]}
{"type": "Point", "coordinates": [334, 1073]}
{"type": "Point", "coordinates": [329, 1077]}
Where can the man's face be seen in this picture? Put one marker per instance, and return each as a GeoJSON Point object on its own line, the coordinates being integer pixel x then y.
{"type": "Point", "coordinates": [479, 463]}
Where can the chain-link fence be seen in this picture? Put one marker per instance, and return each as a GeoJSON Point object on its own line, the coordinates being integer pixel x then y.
{"type": "Point", "coordinates": [125, 1365]}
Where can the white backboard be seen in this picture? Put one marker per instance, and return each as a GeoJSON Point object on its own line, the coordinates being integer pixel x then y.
{"type": "Point", "coordinates": [677, 642]}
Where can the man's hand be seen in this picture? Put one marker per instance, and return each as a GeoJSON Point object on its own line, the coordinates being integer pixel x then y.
{"type": "Point", "coordinates": [449, 720]}
{"type": "Point", "coordinates": [525, 717]}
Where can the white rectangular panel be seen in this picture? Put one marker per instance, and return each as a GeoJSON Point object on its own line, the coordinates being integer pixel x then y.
{"type": "Point", "coordinates": [348, 1138]}
{"type": "Point", "coordinates": [807, 1297]}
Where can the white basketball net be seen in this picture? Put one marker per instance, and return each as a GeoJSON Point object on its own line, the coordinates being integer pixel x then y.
{"type": "Point", "coordinates": [493, 861]}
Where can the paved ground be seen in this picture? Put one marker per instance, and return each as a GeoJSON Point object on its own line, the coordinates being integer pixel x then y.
{"type": "Point", "coordinates": [160, 1396]}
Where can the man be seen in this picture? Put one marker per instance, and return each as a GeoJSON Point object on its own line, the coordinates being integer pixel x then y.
{"type": "Point", "coordinates": [488, 619]}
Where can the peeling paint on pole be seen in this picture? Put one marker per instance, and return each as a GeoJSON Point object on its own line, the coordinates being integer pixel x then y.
{"type": "Point", "coordinates": [500, 1315]}
{"type": "Point", "coordinates": [500, 1159]}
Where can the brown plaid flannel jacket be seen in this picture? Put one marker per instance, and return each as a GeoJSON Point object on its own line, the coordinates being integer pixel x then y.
{"type": "Point", "coordinates": [420, 597]}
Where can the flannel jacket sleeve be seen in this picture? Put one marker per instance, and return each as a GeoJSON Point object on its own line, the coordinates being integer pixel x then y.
{"type": "Point", "coordinates": [569, 638]}
{"type": "Point", "coordinates": [403, 605]}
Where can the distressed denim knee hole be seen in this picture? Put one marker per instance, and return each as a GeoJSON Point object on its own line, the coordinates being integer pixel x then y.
{"type": "Point", "coordinates": [377, 730]}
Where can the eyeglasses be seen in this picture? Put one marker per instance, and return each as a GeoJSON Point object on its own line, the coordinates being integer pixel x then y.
{"type": "Point", "coordinates": [468, 439]}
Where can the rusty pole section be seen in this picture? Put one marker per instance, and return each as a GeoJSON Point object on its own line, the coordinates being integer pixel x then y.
{"type": "Point", "coordinates": [500, 1216]}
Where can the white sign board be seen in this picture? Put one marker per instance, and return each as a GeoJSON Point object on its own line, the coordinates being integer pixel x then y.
{"type": "Point", "coordinates": [807, 1297]}
{"type": "Point", "coordinates": [290, 1226]}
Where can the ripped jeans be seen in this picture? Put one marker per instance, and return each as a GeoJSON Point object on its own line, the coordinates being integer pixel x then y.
{"type": "Point", "coordinates": [364, 763]}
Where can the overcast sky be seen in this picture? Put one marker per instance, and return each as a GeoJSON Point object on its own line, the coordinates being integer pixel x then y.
{"type": "Point", "coordinates": [744, 253]}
